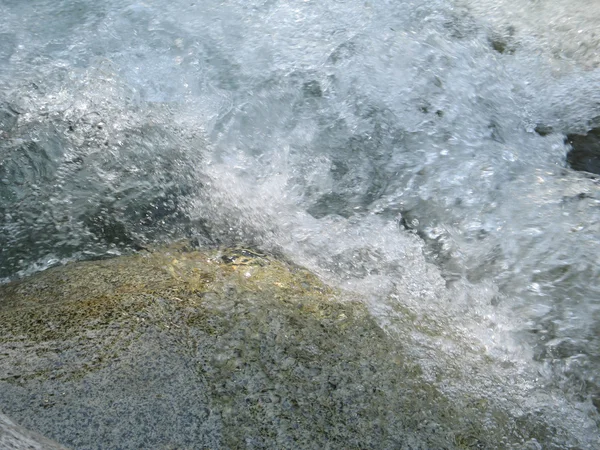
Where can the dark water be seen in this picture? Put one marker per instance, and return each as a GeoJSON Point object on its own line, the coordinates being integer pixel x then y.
{"type": "Point", "coordinates": [390, 146]}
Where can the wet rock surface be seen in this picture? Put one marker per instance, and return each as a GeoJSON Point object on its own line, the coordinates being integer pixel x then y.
{"type": "Point", "coordinates": [222, 349]}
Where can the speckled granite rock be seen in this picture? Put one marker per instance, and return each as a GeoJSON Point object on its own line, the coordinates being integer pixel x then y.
{"type": "Point", "coordinates": [219, 349]}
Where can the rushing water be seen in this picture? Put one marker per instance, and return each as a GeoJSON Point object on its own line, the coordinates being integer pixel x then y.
{"type": "Point", "coordinates": [390, 146]}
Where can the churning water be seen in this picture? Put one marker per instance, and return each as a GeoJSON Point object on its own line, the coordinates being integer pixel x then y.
{"type": "Point", "coordinates": [411, 151]}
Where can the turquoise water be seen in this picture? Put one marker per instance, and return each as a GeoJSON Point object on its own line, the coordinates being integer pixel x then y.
{"type": "Point", "coordinates": [389, 146]}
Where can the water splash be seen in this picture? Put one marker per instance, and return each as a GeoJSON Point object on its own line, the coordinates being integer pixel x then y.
{"type": "Point", "coordinates": [412, 153]}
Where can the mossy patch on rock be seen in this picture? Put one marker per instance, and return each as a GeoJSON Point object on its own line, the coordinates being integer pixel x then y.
{"type": "Point", "coordinates": [221, 349]}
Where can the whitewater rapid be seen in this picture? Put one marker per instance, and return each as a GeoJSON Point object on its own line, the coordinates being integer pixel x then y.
{"type": "Point", "coordinates": [413, 152]}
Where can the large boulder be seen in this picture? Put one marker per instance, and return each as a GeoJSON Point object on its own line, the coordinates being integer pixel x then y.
{"type": "Point", "coordinates": [182, 348]}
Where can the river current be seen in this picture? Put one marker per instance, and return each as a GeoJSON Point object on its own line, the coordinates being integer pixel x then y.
{"type": "Point", "coordinates": [413, 152]}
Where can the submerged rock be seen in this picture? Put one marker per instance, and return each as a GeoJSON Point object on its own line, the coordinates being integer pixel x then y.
{"type": "Point", "coordinates": [222, 349]}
